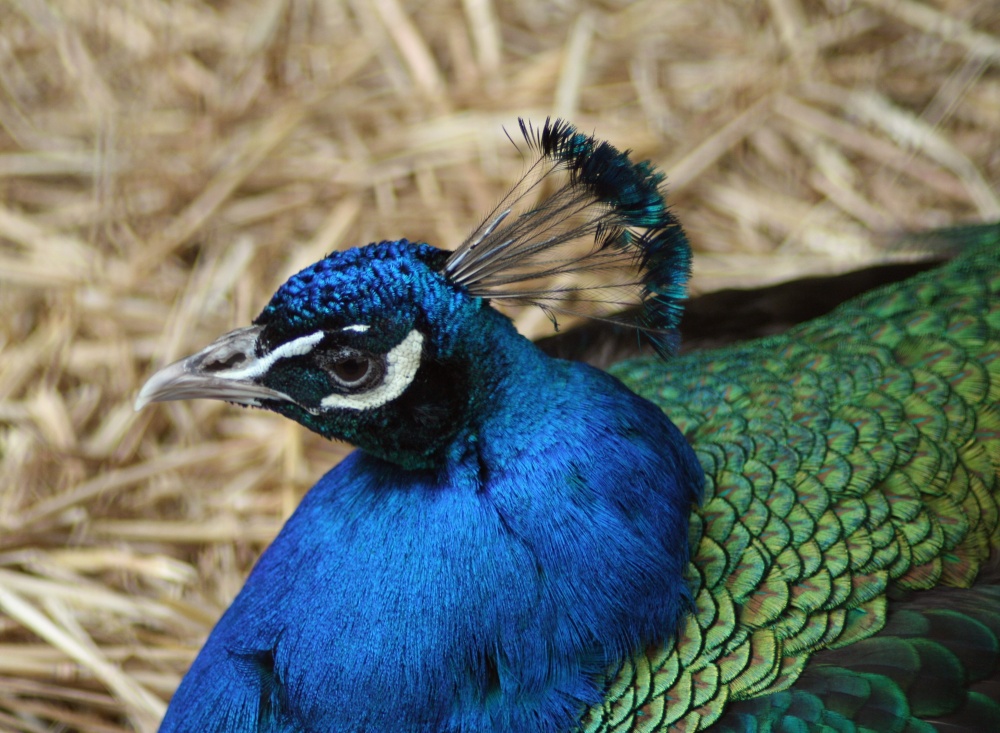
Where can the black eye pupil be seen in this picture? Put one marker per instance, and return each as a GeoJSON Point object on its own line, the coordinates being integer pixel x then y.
{"type": "Point", "coordinates": [352, 369]}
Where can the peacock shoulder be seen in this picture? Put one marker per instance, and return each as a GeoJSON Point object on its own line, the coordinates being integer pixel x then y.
{"type": "Point", "coordinates": [851, 457]}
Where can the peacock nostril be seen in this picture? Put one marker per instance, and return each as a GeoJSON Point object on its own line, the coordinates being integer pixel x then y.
{"type": "Point", "coordinates": [221, 364]}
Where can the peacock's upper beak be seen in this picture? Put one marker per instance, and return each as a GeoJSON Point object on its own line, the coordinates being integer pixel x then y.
{"type": "Point", "coordinates": [228, 369]}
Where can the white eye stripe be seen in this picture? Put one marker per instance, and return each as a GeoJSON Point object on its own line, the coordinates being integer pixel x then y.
{"type": "Point", "coordinates": [297, 347]}
{"type": "Point", "coordinates": [401, 366]}
{"type": "Point", "coordinates": [360, 328]}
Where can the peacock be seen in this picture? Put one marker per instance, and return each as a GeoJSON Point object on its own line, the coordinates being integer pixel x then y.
{"type": "Point", "coordinates": [795, 533]}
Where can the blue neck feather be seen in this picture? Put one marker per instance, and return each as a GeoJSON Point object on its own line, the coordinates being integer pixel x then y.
{"type": "Point", "coordinates": [487, 593]}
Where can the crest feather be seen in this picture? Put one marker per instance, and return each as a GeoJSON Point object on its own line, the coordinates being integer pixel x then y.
{"type": "Point", "coordinates": [601, 214]}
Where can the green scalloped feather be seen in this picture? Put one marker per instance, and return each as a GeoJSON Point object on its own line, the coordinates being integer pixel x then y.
{"type": "Point", "coordinates": [852, 458]}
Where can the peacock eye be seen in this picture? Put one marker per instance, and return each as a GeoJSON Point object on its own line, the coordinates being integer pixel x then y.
{"type": "Point", "coordinates": [353, 369]}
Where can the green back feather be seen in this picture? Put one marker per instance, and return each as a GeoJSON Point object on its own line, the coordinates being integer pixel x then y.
{"type": "Point", "coordinates": [854, 456]}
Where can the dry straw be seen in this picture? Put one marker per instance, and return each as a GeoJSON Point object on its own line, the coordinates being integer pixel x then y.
{"type": "Point", "coordinates": [165, 165]}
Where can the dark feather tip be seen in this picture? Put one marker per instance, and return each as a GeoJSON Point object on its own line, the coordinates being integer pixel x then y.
{"type": "Point", "coordinates": [616, 203]}
{"type": "Point", "coordinates": [634, 191]}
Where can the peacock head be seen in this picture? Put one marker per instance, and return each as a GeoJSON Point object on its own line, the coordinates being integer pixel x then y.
{"type": "Point", "coordinates": [372, 345]}
{"type": "Point", "coordinates": [392, 347]}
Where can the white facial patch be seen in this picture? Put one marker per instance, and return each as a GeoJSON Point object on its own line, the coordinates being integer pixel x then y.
{"type": "Point", "coordinates": [400, 369]}
{"type": "Point", "coordinates": [297, 347]}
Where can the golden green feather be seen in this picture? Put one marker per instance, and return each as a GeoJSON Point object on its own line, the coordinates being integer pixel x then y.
{"type": "Point", "coordinates": [849, 459]}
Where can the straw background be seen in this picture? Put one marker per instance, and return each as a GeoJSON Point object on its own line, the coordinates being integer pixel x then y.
{"type": "Point", "coordinates": [164, 166]}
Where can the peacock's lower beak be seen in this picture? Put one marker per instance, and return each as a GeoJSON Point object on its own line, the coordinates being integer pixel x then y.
{"type": "Point", "coordinates": [228, 369]}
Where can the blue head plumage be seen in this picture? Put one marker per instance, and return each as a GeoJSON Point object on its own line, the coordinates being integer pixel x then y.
{"type": "Point", "coordinates": [387, 313]}
{"type": "Point", "coordinates": [512, 525]}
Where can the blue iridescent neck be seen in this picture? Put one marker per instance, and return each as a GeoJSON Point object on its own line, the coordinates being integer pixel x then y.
{"type": "Point", "coordinates": [490, 588]}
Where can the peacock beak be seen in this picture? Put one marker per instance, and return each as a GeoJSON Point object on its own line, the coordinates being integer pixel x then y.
{"type": "Point", "coordinates": [228, 369]}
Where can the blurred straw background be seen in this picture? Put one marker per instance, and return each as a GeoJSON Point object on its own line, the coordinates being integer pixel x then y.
{"type": "Point", "coordinates": [165, 165]}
